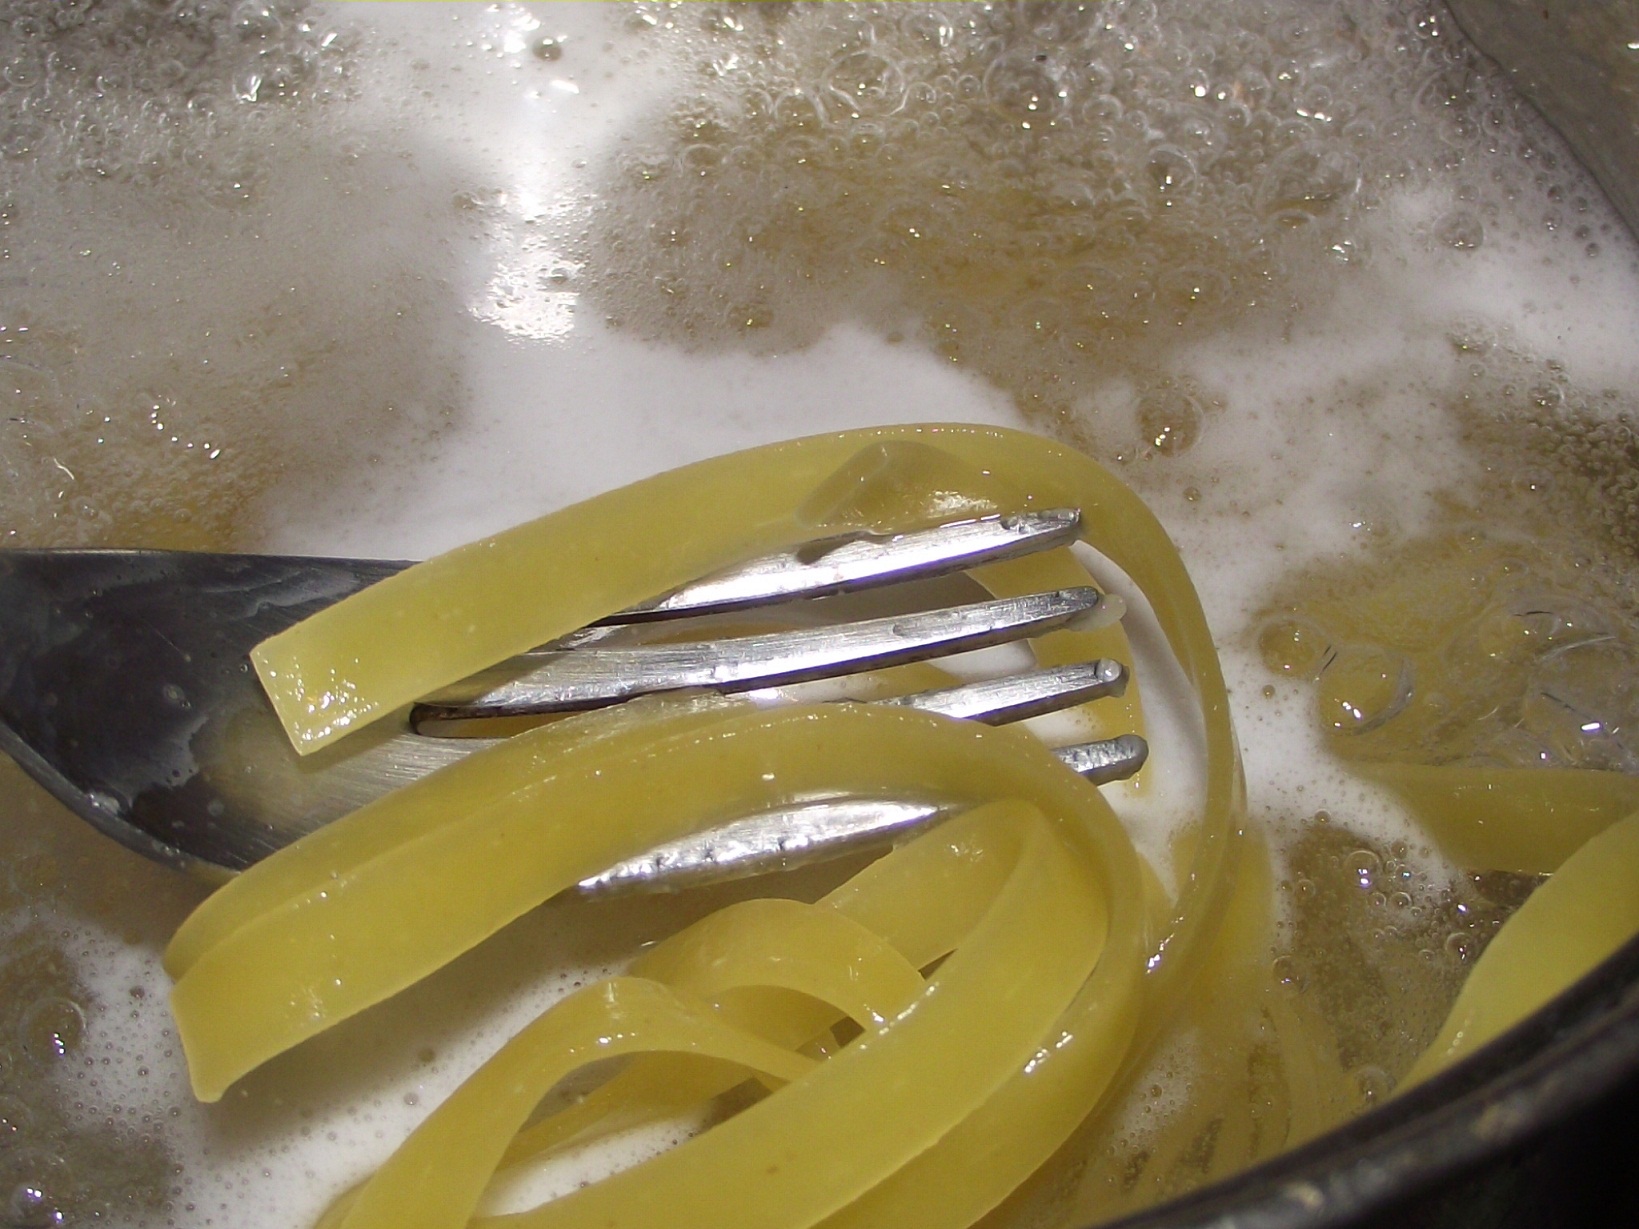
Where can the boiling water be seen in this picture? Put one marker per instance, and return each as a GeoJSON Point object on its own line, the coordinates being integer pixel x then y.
{"type": "Point", "coordinates": [376, 279]}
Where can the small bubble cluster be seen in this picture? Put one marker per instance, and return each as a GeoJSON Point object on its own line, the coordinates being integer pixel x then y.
{"type": "Point", "coordinates": [1572, 451]}
{"type": "Point", "coordinates": [55, 1168]}
{"type": "Point", "coordinates": [1382, 946]}
{"type": "Point", "coordinates": [1055, 192]}
{"type": "Point", "coordinates": [134, 90]}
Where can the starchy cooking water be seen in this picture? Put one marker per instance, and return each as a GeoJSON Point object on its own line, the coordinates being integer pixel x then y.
{"type": "Point", "coordinates": [377, 278]}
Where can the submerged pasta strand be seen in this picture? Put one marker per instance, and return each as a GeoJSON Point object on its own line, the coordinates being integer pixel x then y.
{"type": "Point", "coordinates": [1580, 916]}
{"type": "Point", "coordinates": [1526, 820]}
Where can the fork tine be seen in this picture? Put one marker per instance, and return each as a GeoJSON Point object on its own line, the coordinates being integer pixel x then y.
{"type": "Point", "coordinates": [808, 832]}
{"type": "Point", "coordinates": [853, 562]}
{"type": "Point", "coordinates": [1109, 759]}
{"type": "Point", "coordinates": [578, 679]}
{"type": "Point", "coordinates": [1017, 697]}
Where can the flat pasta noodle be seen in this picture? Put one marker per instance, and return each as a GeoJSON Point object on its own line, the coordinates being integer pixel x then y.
{"type": "Point", "coordinates": [1525, 820]}
{"type": "Point", "coordinates": [358, 936]}
{"type": "Point", "coordinates": [417, 631]}
{"type": "Point", "coordinates": [1097, 960]}
{"type": "Point", "coordinates": [377, 901]}
{"type": "Point", "coordinates": [812, 1147]}
{"type": "Point", "coordinates": [1579, 917]}
{"type": "Point", "coordinates": [1064, 963]}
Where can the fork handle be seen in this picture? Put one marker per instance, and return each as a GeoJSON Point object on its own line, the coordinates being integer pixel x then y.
{"type": "Point", "coordinates": [110, 661]}
{"type": "Point", "coordinates": [126, 690]}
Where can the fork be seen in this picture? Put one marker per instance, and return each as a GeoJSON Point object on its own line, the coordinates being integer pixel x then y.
{"type": "Point", "coordinates": [126, 689]}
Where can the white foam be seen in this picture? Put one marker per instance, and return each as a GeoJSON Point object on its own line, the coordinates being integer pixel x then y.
{"type": "Point", "coordinates": [1324, 437]}
{"type": "Point", "coordinates": [553, 424]}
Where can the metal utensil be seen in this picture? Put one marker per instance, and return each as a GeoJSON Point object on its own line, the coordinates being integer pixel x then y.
{"type": "Point", "coordinates": [126, 689]}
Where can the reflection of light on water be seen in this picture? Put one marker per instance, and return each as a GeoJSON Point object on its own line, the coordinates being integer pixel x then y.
{"type": "Point", "coordinates": [515, 301]}
{"type": "Point", "coordinates": [513, 41]}
{"type": "Point", "coordinates": [530, 292]}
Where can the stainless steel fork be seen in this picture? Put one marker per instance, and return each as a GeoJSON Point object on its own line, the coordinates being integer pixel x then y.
{"type": "Point", "coordinates": [126, 689]}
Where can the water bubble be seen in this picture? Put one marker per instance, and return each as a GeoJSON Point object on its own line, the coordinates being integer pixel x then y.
{"type": "Point", "coordinates": [866, 84]}
{"type": "Point", "coordinates": [1286, 973]}
{"type": "Point", "coordinates": [1171, 172]}
{"type": "Point", "coordinates": [701, 158]}
{"type": "Point", "coordinates": [254, 19]}
{"type": "Point", "coordinates": [1582, 704]}
{"type": "Point", "coordinates": [799, 113]}
{"type": "Point", "coordinates": [1363, 687]}
{"type": "Point", "coordinates": [1546, 396]}
{"type": "Point", "coordinates": [51, 1027]}
{"type": "Point", "coordinates": [1102, 112]}
{"type": "Point", "coordinates": [20, 138]}
{"type": "Point", "coordinates": [1459, 945]}
{"type": "Point", "coordinates": [1349, 250]}
{"type": "Point", "coordinates": [1021, 86]}
{"type": "Point", "coordinates": [37, 1186]}
{"type": "Point", "coordinates": [1308, 181]}
{"type": "Point", "coordinates": [1460, 229]}
{"type": "Point", "coordinates": [1169, 421]}
{"type": "Point", "coordinates": [1362, 866]}
{"type": "Point", "coordinates": [548, 49]}
{"type": "Point", "coordinates": [1294, 647]}
{"type": "Point", "coordinates": [33, 1205]}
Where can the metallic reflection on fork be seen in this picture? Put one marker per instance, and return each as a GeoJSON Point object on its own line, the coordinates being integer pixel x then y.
{"type": "Point", "coordinates": [125, 688]}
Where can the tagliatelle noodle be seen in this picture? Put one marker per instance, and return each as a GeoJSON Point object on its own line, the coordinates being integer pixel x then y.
{"type": "Point", "coordinates": [817, 1143]}
{"type": "Point", "coordinates": [264, 926]}
{"type": "Point", "coordinates": [665, 528]}
{"type": "Point", "coordinates": [1579, 917]}
{"type": "Point", "coordinates": [755, 989]}
{"type": "Point", "coordinates": [1526, 820]}
{"type": "Point", "coordinates": [362, 930]}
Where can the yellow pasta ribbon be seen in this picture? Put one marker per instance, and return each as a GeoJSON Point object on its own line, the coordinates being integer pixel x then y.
{"type": "Point", "coordinates": [954, 1092]}
{"type": "Point", "coordinates": [817, 1144]}
{"type": "Point", "coordinates": [1525, 820]}
{"type": "Point", "coordinates": [1567, 926]}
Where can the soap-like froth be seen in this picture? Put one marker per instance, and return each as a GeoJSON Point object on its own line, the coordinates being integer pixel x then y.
{"type": "Point", "coordinates": [415, 272]}
{"type": "Point", "coordinates": [185, 299]}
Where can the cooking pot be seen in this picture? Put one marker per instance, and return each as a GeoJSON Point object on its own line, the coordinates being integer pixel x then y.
{"type": "Point", "coordinates": [1541, 1127]}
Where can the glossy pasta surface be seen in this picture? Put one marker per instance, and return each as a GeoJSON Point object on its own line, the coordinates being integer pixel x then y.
{"type": "Point", "coordinates": [923, 1039]}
